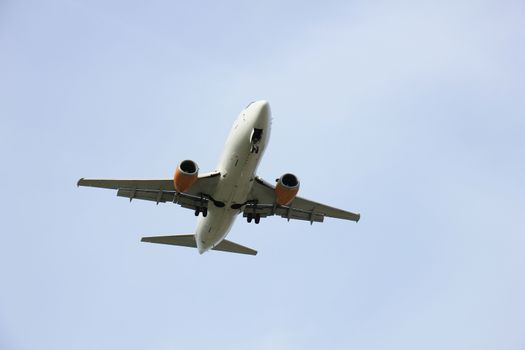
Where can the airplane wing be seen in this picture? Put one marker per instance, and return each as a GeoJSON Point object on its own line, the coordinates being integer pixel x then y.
{"type": "Point", "coordinates": [262, 202]}
{"type": "Point", "coordinates": [161, 191]}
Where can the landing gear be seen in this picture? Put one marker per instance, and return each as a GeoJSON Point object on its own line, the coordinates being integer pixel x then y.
{"type": "Point", "coordinates": [204, 211]}
{"type": "Point", "coordinates": [255, 139]}
{"type": "Point", "coordinates": [256, 218]}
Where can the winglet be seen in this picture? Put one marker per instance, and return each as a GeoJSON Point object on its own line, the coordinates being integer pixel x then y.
{"type": "Point", "coordinates": [79, 182]}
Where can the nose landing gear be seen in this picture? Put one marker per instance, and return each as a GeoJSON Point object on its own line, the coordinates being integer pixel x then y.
{"type": "Point", "coordinates": [255, 139]}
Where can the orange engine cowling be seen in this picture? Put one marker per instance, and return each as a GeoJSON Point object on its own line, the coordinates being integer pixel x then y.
{"type": "Point", "coordinates": [185, 175]}
{"type": "Point", "coordinates": [286, 189]}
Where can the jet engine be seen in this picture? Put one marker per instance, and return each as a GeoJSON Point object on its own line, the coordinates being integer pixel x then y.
{"type": "Point", "coordinates": [286, 189]}
{"type": "Point", "coordinates": [185, 175]}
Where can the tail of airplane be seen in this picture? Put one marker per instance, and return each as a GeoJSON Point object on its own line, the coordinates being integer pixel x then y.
{"type": "Point", "coordinates": [189, 241]}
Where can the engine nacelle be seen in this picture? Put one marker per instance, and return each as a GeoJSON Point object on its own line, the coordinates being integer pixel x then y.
{"type": "Point", "coordinates": [185, 175]}
{"type": "Point", "coordinates": [286, 189]}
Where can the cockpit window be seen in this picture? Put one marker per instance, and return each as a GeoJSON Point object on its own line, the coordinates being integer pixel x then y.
{"type": "Point", "coordinates": [249, 105]}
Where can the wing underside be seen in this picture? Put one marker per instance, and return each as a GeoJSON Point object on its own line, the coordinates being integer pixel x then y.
{"type": "Point", "coordinates": [161, 191]}
{"type": "Point", "coordinates": [262, 203]}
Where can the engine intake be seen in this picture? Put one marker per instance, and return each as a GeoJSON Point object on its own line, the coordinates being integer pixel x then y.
{"type": "Point", "coordinates": [186, 174]}
{"type": "Point", "coordinates": [286, 189]}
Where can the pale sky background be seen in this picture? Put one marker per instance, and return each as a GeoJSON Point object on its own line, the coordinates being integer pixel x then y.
{"type": "Point", "coordinates": [410, 112]}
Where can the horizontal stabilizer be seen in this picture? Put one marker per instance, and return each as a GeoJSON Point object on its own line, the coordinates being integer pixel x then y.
{"type": "Point", "coordinates": [189, 241]}
{"type": "Point", "coordinates": [229, 246]}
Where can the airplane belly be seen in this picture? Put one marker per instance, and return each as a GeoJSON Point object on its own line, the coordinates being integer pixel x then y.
{"type": "Point", "coordinates": [237, 177]}
{"type": "Point", "coordinates": [237, 168]}
{"type": "Point", "coordinates": [213, 228]}
{"type": "Point", "coordinates": [233, 188]}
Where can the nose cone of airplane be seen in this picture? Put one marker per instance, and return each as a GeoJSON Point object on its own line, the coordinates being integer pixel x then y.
{"type": "Point", "coordinates": [263, 112]}
{"type": "Point", "coordinates": [264, 106]}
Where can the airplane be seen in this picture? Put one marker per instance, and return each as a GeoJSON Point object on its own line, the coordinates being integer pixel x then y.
{"type": "Point", "coordinates": [233, 188]}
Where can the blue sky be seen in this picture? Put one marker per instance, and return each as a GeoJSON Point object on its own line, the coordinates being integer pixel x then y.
{"type": "Point", "coordinates": [412, 113]}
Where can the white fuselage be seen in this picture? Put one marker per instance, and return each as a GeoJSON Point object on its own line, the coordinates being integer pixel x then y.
{"type": "Point", "coordinates": [237, 167]}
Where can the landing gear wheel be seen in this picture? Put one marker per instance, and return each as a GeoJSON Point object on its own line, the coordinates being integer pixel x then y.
{"type": "Point", "coordinates": [257, 218]}
{"type": "Point", "coordinates": [205, 212]}
{"type": "Point", "coordinates": [249, 218]}
{"type": "Point", "coordinates": [197, 211]}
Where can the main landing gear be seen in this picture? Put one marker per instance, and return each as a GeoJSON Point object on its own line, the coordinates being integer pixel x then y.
{"type": "Point", "coordinates": [256, 218]}
{"type": "Point", "coordinates": [204, 211]}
